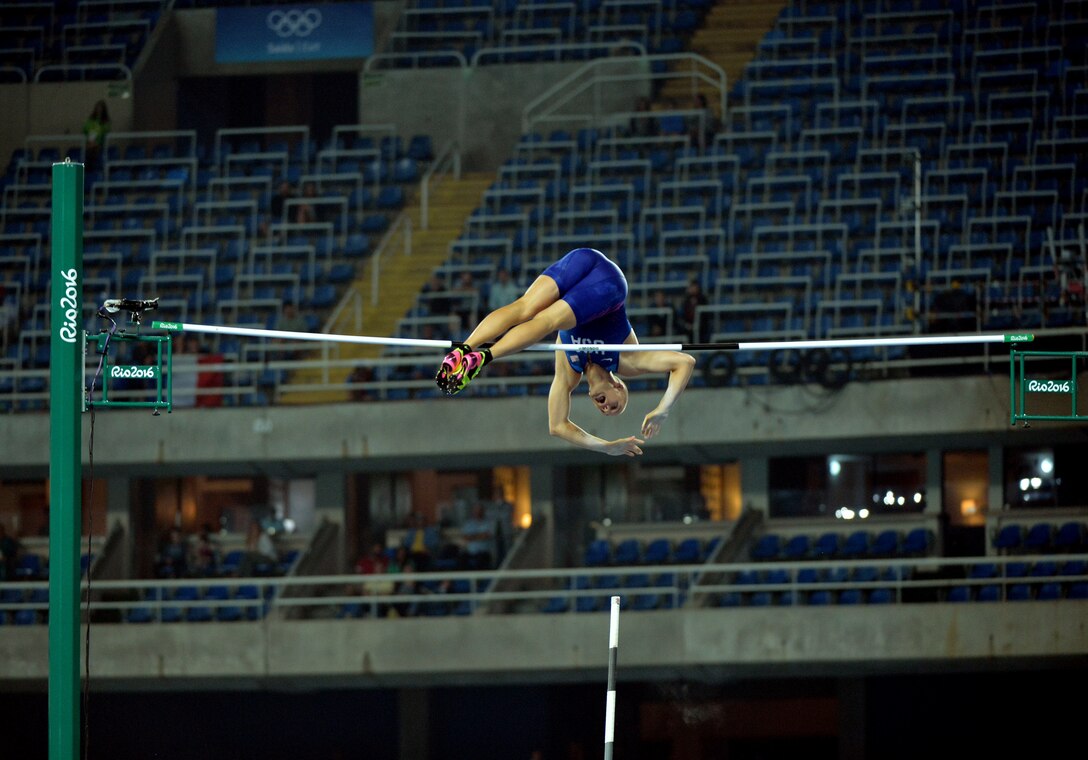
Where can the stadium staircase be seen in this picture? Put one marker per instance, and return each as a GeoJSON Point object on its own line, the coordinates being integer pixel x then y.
{"type": "Point", "coordinates": [402, 278]}
{"type": "Point", "coordinates": [729, 37]}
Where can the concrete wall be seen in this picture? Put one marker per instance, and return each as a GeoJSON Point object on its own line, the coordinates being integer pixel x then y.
{"type": "Point", "coordinates": [707, 426]}
{"type": "Point", "coordinates": [530, 648]}
{"type": "Point", "coordinates": [482, 106]}
{"type": "Point", "coordinates": [57, 109]}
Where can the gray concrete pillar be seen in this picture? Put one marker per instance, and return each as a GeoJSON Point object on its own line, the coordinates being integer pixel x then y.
{"type": "Point", "coordinates": [754, 488]}
{"type": "Point", "coordinates": [118, 512]}
{"type": "Point", "coordinates": [330, 497]}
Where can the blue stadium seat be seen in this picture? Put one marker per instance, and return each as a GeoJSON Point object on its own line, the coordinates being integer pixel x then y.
{"type": "Point", "coordinates": [855, 545]}
{"type": "Point", "coordinates": [1038, 537]}
{"type": "Point", "coordinates": [688, 551]}
{"type": "Point", "coordinates": [917, 542]}
{"type": "Point", "coordinates": [628, 552]}
{"type": "Point", "coordinates": [767, 547]}
{"type": "Point", "coordinates": [1070, 537]}
{"type": "Point", "coordinates": [1020, 592]}
{"type": "Point", "coordinates": [1050, 591]}
{"type": "Point", "coordinates": [881, 596]}
{"type": "Point", "coordinates": [1009, 537]}
{"type": "Point", "coordinates": [798, 547]}
{"type": "Point", "coordinates": [599, 552]}
{"type": "Point", "coordinates": [886, 544]}
{"type": "Point", "coordinates": [826, 545]}
{"type": "Point", "coordinates": [658, 552]}
{"type": "Point", "coordinates": [959, 594]}
{"type": "Point", "coordinates": [851, 596]}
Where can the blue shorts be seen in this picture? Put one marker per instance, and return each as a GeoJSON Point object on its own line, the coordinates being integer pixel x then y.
{"type": "Point", "coordinates": [590, 283]}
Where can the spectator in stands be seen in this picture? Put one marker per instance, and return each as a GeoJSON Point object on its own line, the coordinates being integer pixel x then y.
{"type": "Point", "coordinates": [704, 125]}
{"type": "Point", "coordinates": [694, 327]}
{"type": "Point", "coordinates": [468, 300]}
{"type": "Point", "coordinates": [279, 200]}
{"type": "Point", "coordinates": [174, 556]}
{"type": "Point", "coordinates": [421, 541]}
{"type": "Point", "coordinates": [502, 511]}
{"type": "Point", "coordinates": [402, 563]}
{"type": "Point", "coordinates": [358, 381]}
{"type": "Point", "coordinates": [204, 559]}
{"type": "Point", "coordinates": [9, 554]}
{"type": "Point", "coordinates": [439, 305]}
{"type": "Point", "coordinates": [583, 296]}
{"type": "Point", "coordinates": [291, 319]}
{"type": "Point", "coordinates": [375, 562]}
{"type": "Point", "coordinates": [9, 315]}
{"type": "Point", "coordinates": [478, 533]}
{"type": "Point", "coordinates": [95, 130]}
{"type": "Point", "coordinates": [505, 290]}
{"type": "Point", "coordinates": [260, 555]}
{"type": "Point", "coordinates": [306, 213]}
{"type": "Point", "coordinates": [643, 122]}
{"type": "Point", "coordinates": [662, 322]}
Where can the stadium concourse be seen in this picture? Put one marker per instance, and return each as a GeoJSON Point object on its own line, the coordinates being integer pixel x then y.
{"type": "Point", "coordinates": [842, 550]}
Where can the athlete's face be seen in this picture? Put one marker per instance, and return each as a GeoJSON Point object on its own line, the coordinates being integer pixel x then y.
{"type": "Point", "coordinates": [611, 400]}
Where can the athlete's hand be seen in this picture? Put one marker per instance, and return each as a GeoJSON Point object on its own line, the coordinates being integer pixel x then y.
{"type": "Point", "coordinates": [624, 447]}
{"type": "Point", "coordinates": [651, 426]}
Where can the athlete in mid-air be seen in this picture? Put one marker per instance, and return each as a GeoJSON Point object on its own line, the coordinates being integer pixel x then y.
{"type": "Point", "coordinates": [583, 297]}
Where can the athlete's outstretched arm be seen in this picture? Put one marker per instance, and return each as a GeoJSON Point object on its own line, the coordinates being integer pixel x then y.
{"type": "Point", "coordinates": [559, 424]}
{"type": "Point", "coordinates": [678, 365]}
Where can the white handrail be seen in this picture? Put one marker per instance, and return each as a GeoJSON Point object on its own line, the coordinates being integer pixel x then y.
{"type": "Point", "coordinates": [451, 154]}
{"type": "Point", "coordinates": [595, 73]}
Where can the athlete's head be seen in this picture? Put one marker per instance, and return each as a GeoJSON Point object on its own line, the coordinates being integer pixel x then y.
{"type": "Point", "coordinates": [610, 397]}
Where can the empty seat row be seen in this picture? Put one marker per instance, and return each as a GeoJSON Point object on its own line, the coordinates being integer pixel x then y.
{"type": "Point", "coordinates": [658, 551]}
{"type": "Point", "coordinates": [860, 544]}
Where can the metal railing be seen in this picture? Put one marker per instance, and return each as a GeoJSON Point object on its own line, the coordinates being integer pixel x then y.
{"type": "Point", "coordinates": [447, 162]}
{"type": "Point", "coordinates": [899, 580]}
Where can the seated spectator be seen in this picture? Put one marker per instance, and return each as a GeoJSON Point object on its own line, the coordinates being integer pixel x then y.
{"type": "Point", "coordinates": [204, 559]}
{"type": "Point", "coordinates": [505, 290]}
{"type": "Point", "coordinates": [402, 563]}
{"type": "Point", "coordinates": [467, 304]}
{"type": "Point", "coordinates": [279, 200]}
{"type": "Point", "coordinates": [703, 127]}
{"type": "Point", "coordinates": [304, 213]}
{"type": "Point", "coordinates": [479, 535]}
{"type": "Point", "coordinates": [260, 556]}
{"type": "Point", "coordinates": [375, 562]}
{"type": "Point", "coordinates": [173, 560]}
{"type": "Point", "coordinates": [9, 554]}
{"type": "Point", "coordinates": [661, 323]}
{"type": "Point", "coordinates": [643, 123]}
{"type": "Point", "coordinates": [358, 381]}
{"type": "Point", "coordinates": [421, 541]}
{"type": "Point", "coordinates": [291, 319]}
{"type": "Point", "coordinates": [437, 306]}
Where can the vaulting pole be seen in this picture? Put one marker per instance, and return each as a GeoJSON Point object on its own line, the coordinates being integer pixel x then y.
{"type": "Point", "coordinates": [610, 698]}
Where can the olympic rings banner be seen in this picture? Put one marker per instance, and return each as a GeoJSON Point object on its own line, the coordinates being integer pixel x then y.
{"type": "Point", "coordinates": [304, 32]}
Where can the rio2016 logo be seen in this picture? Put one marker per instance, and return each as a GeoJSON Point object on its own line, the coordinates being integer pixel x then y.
{"type": "Point", "coordinates": [69, 302]}
{"type": "Point", "coordinates": [1050, 386]}
{"type": "Point", "coordinates": [133, 372]}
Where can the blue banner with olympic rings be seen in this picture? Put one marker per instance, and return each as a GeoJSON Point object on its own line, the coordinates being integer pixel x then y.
{"type": "Point", "coordinates": [305, 32]}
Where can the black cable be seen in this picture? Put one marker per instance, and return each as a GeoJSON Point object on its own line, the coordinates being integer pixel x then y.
{"type": "Point", "coordinates": [87, 642]}
{"type": "Point", "coordinates": [85, 707]}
